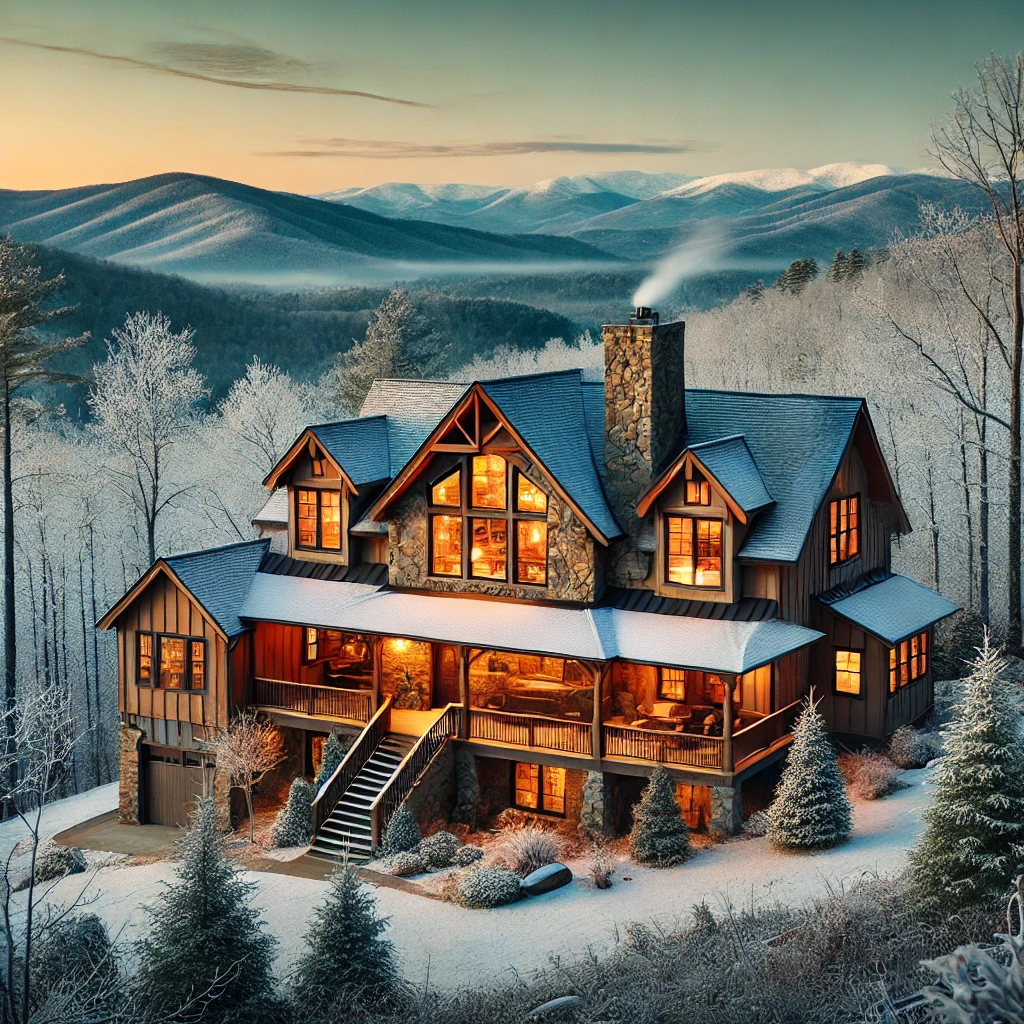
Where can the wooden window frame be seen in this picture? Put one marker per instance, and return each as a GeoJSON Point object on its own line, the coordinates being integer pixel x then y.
{"type": "Point", "coordinates": [661, 684]}
{"type": "Point", "coordinates": [189, 640]}
{"type": "Point", "coordinates": [467, 511]}
{"type": "Point", "coordinates": [694, 520]}
{"type": "Point", "coordinates": [837, 561]}
{"type": "Point", "coordinates": [901, 657]}
{"type": "Point", "coordinates": [319, 492]}
{"type": "Point", "coordinates": [698, 479]}
{"type": "Point", "coordinates": [153, 663]}
{"type": "Point", "coordinates": [539, 809]}
{"type": "Point", "coordinates": [859, 695]}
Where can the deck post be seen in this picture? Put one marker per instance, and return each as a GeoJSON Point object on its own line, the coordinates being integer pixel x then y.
{"type": "Point", "coordinates": [727, 765]}
{"type": "Point", "coordinates": [378, 647]}
{"type": "Point", "coordinates": [463, 694]}
{"type": "Point", "coordinates": [595, 727]}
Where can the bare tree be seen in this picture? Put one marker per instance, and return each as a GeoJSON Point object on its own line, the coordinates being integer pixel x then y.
{"type": "Point", "coordinates": [245, 753]}
{"type": "Point", "coordinates": [144, 401]}
{"type": "Point", "coordinates": [981, 142]}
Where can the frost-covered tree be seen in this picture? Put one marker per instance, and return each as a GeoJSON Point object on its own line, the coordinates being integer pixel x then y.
{"type": "Point", "coordinates": [402, 833]}
{"type": "Point", "coordinates": [294, 823]}
{"type": "Point", "coordinates": [333, 754]}
{"type": "Point", "coordinates": [206, 944]}
{"type": "Point", "coordinates": [855, 264]}
{"type": "Point", "coordinates": [811, 810]}
{"type": "Point", "coordinates": [659, 837]}
{"type": "Point", "coordinates": [973, 842]}
{"type": "Point", "coordinates": [346, 959]}
{"type": "Point", "coordinates": [144, 400]}
{"type": "Point", "coordinates": [837, 271]}
{"type": "Point", "coordinates": [797, 275]}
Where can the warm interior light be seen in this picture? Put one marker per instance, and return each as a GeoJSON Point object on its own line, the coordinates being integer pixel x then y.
{"type": "Point", "coordinates": [400, 645]}
{"type": "Point", "coordinates": [535, 535]}
{"type": "Point", "coordinates": [476, 554]}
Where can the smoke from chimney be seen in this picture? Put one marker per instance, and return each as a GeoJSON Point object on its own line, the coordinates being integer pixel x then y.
{"type": "Point", "coordinates": [701, 252]}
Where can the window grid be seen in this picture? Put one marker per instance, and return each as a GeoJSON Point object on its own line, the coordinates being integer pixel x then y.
{"type": "Point", "coordinates": [908, 661]}
{"type": "Point", "coordinates": [539, 788]}
{"type": "Point", "coordinates": [848, 673]}
{"type": "Point", "coordinates": [844, 530]}
{"type": "Point", "coordinates": [694, 549]}
{"type": "Point", "coordinates": [170, 661]}
{"type": "Point", "coordinates": [318, 519]}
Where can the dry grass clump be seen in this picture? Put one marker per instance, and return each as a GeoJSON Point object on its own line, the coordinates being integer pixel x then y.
{"type": "Point", "coordinates": [602, 865]}
{"type": "Point", "coordinates": [870, 775]}
{"type": "Point", "coordinates": [523, 850]}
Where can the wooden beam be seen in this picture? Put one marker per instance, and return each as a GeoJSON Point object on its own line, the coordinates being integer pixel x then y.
{"type": "Point", "coordinates": [727, 758]}
{"type": "Point", "coordinates": [464, 692]}
{"type": "Point", "coordinates": [596, 737]}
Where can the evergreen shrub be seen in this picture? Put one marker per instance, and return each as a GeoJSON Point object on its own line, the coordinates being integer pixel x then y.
{"type": "Point", "coordinates": [402, 832]}
{"type": "Point", "coordinates": [466, 855]}
{"type": "Point", "coordinates": [659, 837]}
{"type": "Point", "coordinates": [405, 863]}
{"type": "Point", "coordinates": [335, 749]}
{"type": "Point", "coordinates": [56, 861]}
{"type": "Point", "coordinates": [438, 850]}
{"type": "Point", "coordinates": [293, 825]}
{"type": "Point", "coordinates": [75, 953]}
{"type": "Point", "coordinates": [484, 888]}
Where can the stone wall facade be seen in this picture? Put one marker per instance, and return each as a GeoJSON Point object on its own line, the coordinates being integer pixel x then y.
{"type": "Point", "coordinates": [406, 673]}
{"type": "Point", "coordinates": [130, 744]}
{"type": "Point", "coordinates": [433, 794]}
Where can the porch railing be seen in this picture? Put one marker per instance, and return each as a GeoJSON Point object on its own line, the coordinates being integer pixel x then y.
{"type": "Point", "coordinates": [358, 754]}
{"type": "Point", "coordinates": [399, 786]}
{"type": "Point", "coordinates": [764, 732]}
{"type": "Point", "coordinates": [668, 747]}
{"type": "Point", "coordinates": [530, 731]}
{"type": "Point", "coordinates": [315, 701]}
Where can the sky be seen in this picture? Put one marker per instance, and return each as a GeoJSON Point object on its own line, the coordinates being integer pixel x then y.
{"type": "Point", "coordinates": [314, 95]}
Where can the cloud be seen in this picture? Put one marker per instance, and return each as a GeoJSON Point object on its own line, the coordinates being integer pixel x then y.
{"type": "Point", "coordinates": [382, 150]}
{"type": "Point", "coordinates": [230, 60]}
{"type": "Point", "coordinates": [221, 78]}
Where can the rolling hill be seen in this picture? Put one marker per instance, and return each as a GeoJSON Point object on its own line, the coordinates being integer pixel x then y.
{"type": "Point", "coordinates": [208, 228]}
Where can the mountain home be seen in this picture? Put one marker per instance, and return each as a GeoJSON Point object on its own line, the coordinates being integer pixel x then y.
{"type": "Point", "coordinates": [569, 582]}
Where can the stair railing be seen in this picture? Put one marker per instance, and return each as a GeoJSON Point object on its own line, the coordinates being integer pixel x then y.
{"type": "Point", "coordinates": [399, 786]}
{"type": "Point", "coordinates": [358, 754]}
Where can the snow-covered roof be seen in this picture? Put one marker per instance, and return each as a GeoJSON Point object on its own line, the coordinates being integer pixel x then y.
{"type": "Point", "coordinates": [593, 634]}
{"type": "Point", "coordinates": [728, 459]}
{"type": "Point", "coordinates": [275, 512]}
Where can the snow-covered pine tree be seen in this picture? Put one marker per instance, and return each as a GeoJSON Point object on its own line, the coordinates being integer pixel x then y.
{"type": "Point", "coordinates": [855, 264]}
{"type": "Point", "coordinates": [659, 837]}
{"type": "Point", "coordinates": [973, 841]}
{"type": "Point", "coordinates": [293, 825]}
{"type": "Point", "coordinates": [346, 960]}
{"type": "Point", "coordinates": [837, 271]}
{"type": "Point", "coordinates": [334, 754]}
{"type": "Point", "coordinates": [402, 833]}
{"type": "Point", "coordinates": [205, 945]}
{"type": "Point", "coordinates": [811, 810]}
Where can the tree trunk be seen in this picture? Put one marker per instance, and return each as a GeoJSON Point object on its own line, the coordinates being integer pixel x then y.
{"type": "Point", "coordinates": [248, 807]}
{"type": "Point", "coordinates": [10, 642]}
{"type": "Point", "coordinates": [968, 513]}
{"type": "Point", "coordinates": [1014, 545]}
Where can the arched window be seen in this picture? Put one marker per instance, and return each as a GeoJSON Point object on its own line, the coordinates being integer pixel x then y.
{"type": "Point", "coordinates": [477, 533]}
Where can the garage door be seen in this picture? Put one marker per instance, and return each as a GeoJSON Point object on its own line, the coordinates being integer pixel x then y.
{"type": "Point", "coordinates": [173, 783]}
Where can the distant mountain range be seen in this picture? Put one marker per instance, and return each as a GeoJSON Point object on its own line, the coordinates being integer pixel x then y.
{"type": "Point", "coordinates": [208, 228]}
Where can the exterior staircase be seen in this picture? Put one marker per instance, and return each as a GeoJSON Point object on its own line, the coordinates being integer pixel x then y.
{"type": "Point", "coordinates": [349, 829]}
{"type": "Point", "coordinates": [352, 809]}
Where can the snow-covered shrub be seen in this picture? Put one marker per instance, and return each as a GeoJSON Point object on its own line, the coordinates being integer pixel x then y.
{"type": "Point", "coordinates": [402, 832]}
{"type": "Point", "coordinates": [973, 841]}
{"type": "Point", "coordinates": [913, 748]}
{"type": "Point", "coordinates": [756, 825]}
{"type": "Point", "coordinates": [870, 775]}
{"type": "Point", "coordinates": [334, 753]}
{"type": "Point", "coordinates": [56, 861]}
{"type": "Point", "coordinates": [75, 953]}
{"type": "Point", "coordinates": [659, 837]}
{"type": "Point", "coordinates": [466, 855]}
{"type": "Point", "coordinates": [293, 825]}
{"type": "Point", "coordinates": [601, 866]}
{"type": "Point", "coordinates": [523, 850]}
{"type": "Point", "coordinates": [704, 918]}
{"type": "Point", "coordinates": [483, 888]}
{"type": "Point", "coordinates": [438, 850]}
{"type": "Point", "coordinates": [957, 641]}
{"type": "Point", "coordinates": [811, 810]}
{"type": "Point", "coordinates": [405, 863]}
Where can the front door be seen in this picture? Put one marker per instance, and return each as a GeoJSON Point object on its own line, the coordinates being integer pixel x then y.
{"type": "Point", "coordinates": [446, 675]}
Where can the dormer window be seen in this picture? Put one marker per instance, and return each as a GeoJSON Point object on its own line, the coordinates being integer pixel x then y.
{"type": "Point", "coordinates": [318, 519]}
{"type": "Point", "coordinates": [694, 551]}
{"type": "Point", "coordinates": [698, 490]}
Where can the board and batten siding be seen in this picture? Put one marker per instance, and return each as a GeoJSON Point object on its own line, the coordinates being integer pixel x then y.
{"type": "Point", "coordinates": [277, 652]}
{"type": "Point", "coordinates": [164, 607]}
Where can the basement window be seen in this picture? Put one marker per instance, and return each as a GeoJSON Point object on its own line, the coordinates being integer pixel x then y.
{"type": "Point", "coordinates": [539, 788]}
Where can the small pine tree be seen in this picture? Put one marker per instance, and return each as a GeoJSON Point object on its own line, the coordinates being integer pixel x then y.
{"type": "Point", "coordinates": [333, 755]}
{"type": "Point", "coordinates": [797, 274]}
{"type": "Point", "coordinates": [837, 271]}
{"type": "Point", "coordinates": [756, 291]}
{"type": "Point", "coordinates": [402, 832]}
{"type": "Point", "coordinates": [346, 959]}
{"type": "Point", "coordinates": [660, 837]}
{"type": "Point", "coordinates": [206, 945]}
{"type": "Point", "coordinates": [293, 825]}
{"type": "Point", "coordinates": [973, 841]}
{"type": "Point", "coordinates": [855, 264]}
{"type": "Point", "coordinates": [811, 810]}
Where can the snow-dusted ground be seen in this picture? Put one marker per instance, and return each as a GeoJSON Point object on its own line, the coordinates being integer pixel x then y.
{"type": "Point", "coordinates": [61, 814]}
{"type": "Point", "coordinates": [469, 947]}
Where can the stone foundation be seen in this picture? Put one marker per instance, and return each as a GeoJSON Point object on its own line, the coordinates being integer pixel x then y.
{"type": "Point", "coordinates": [128, 810]}
{"type": "Point", "coordinates": [726, 811]}
{"type": "Point", "coordinates": [597, 810]}
{"type": "Point", "coordinates": [433, 795]}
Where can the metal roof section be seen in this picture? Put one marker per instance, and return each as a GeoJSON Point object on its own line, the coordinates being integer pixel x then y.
{"type": "Point", "coordinates": [598, 634]}
{"type": "Point", "coordinates": [373, 573]}
{"type": "Point", "coordinates": [797, 443]}
{"type": "Point", "coordinates": [219, 579]}
{"type": "Point", "coordinates": [637, 599]}
{"type": "Point", "coordinates": [275, 512]}
{"type": "Point", "coordinates": [547, 411]}
{"type": "Point", "coordinates": [892, 607]}
{"type": "Point", "coordinates": [729, 461]}
{"type": "Point", "coordinates": [359, 446]}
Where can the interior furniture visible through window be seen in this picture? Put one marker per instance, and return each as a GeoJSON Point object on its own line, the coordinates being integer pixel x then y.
{"type": "Point", "coordinates": [848, 674]}
{"type": "Point", "coordinates": [318, 519]}
{"type": "Point", "coordinates": [474, 526]}
{"type": "Point", "coordinates": [672, 684]}
{"type": "Point", "coordinates": [539, 788]}
{"type": "Point", "coordinates": [698, 490]}
{"type": "Point", "coordinates": [844, 530]}
{"type": "Point", "coordinates": [908, 661]}
{"type": "Point", "coordinates": [180, 661]}
{"type": "Point", "coordinates": [694, 551]}
{"type": "Point", "coordinates": [347, 658]}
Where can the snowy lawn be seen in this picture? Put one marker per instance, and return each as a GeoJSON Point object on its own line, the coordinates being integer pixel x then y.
{"type": "Point", "coordinates": [469, 947]}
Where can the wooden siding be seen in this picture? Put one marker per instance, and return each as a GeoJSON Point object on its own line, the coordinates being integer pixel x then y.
{"type": "Point", "coordinates": [277, 652]}
{"type": "Point", "coordinates": [913, 701]}
{"type": "Point", "coordinates": [164, 607]}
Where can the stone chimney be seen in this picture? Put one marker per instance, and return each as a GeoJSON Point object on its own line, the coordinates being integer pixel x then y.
{"type": "Point", "coordinates": [644, 423]}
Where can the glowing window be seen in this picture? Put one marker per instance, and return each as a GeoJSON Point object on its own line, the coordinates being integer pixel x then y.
{"type": "Point", "coordinates": [908, 661]}
{"type": "Point", "coordinates": [848, 672]}
{"type": "Point", "coordinates": [698, 490]}
{"type": "Point", "coordinates": [489, 556]}
{"type": "Point", "coordinates": [527, 793]}
{"type": "Point", "coordinates": [448, 491]}
{"type": "Point", "coordinates": [844, 530]}
{"type": "Point", "coordinates": [446, 545]}
{"type": "Point", "coordinates": [307, 519]}
{"type": "Point", "coordinates": [531, 551]}
{"type": "Point", "coordinates": [489, 482]}
{"type": "Point", "coordinates": [529, 497]}
{"type": "Point", "coordinates": [540, 788]}
{"type": "Point", "coordinates": [330, 520]}
{"type": "Point", "coordinates": [144, 675]}
{"type": "Point", "coordinates": [694, 551]}
{"type": "Point", "coordinates": [312, 644]}
{"type": "Point", "coordinates": [173, 670]}
{"type": "Point", "coordinates": [198, 666]}
{"type": "Point", "coordinates": [673, 683]}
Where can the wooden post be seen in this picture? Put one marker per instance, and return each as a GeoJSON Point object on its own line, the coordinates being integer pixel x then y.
{"type": "Point", "coordinates": [375, 698]}
{"type": "Point", "coordinates": [463, 693]}
{"type": "Point", "coordinates": [730, 682]}
{"type": "Point", "coordinates": [595, 725]}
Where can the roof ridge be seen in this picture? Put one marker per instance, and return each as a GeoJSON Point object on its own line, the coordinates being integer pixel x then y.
{"type": "Point", "coordinates": [349, 419]}
{"type": "Point", "coordinates": [860, 399]}
{"type": "Point", "coordinates": [717, 440]}
{"type": "Point", "coordinates": [213, 550]}
{"type": "Point", "coordinates": [568, 371]}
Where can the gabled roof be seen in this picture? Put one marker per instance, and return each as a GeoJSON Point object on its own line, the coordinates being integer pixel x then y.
{"type": "Point", "coordinates": [275, 511]}
{"type": "Point", "coordinates": [217, 578]}
{"type": "Point", "coordinates": [358, 448]}
{"type": "Point", "coordinates": [889, 606]}
{"type": "Point", "coordinates": [730, 468]}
